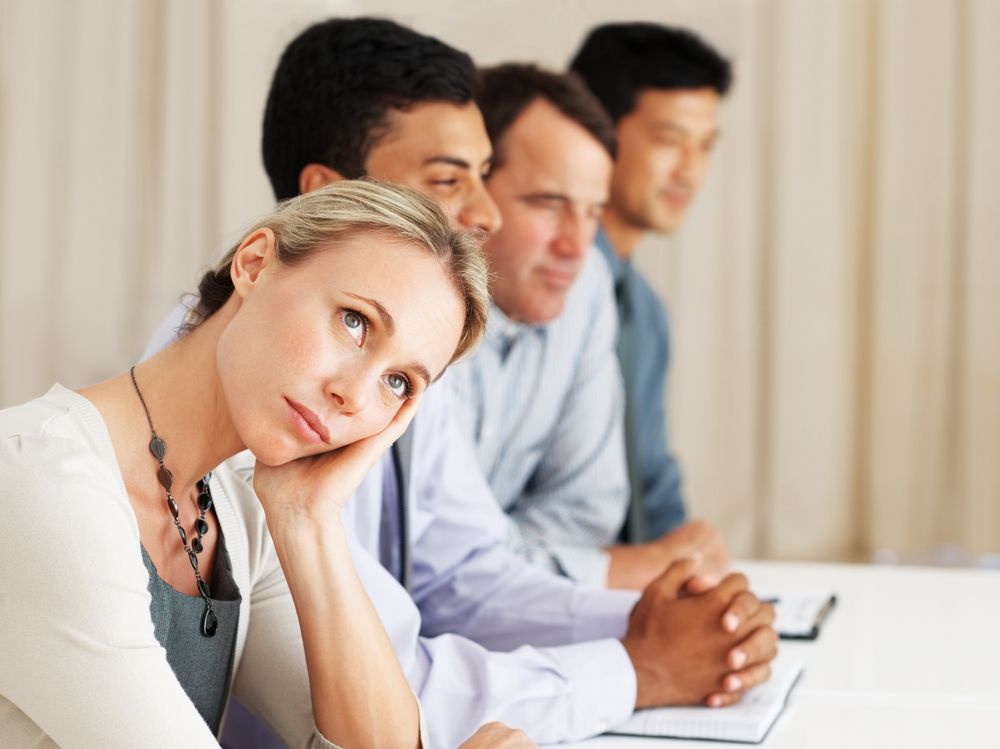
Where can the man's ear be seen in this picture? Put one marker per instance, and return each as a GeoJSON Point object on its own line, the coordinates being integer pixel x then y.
{"type": "Point", "coordinates": [314, 176]}
{"type": "Point", "coordinates": [256, 252]}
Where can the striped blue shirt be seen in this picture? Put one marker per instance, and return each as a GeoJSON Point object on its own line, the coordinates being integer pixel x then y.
{"type": "Point", "coordinates": [543, 405]}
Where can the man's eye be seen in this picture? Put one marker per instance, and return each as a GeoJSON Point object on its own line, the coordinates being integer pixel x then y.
{"type": "Point", "coordinates": [398, 384]}
{"type": "Point", "coordinates": [356, 325]}
{"type": "Point", "coordinates": [444, 182]}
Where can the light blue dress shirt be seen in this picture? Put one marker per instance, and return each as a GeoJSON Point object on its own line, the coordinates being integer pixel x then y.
{"type": "Point", "coordinates": [658, 469]}
{"type": "Point", "coordinates": [486, 635]}
{"type": "Point", "coordinates": [543, 405]}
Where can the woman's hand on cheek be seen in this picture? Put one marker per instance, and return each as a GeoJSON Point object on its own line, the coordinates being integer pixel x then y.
{"type": "Point", "coordinates": [316, 488]}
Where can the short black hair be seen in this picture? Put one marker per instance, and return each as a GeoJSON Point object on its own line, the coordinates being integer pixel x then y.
{"type": "Point", "coordinates": [505, 91]}
{"type": "Point", "coordinates": [618, 60]}
{"type": "Point", "coordinates": [335, 86]}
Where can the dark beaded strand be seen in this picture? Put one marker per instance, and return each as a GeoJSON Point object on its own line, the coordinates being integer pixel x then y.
{"type": "Point", "coordinates": [209, 621]}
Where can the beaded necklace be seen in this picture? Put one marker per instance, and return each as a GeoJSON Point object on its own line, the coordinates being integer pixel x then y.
{"type": "Point", "coordinates": [209, 621]}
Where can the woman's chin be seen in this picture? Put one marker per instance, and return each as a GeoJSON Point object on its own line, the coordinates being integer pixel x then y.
{"type": "Point", "coordinates": [272, 452]}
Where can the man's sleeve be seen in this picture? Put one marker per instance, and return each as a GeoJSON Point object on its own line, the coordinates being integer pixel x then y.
{"type": "Point", "coordinates": [466, 579]}
{"type": "Point", "coordinates": [553, 694]}
{"type": "Point", "coordinates": [575, 503]}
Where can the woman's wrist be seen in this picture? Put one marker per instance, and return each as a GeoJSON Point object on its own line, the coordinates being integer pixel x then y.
{"type": "Point", "coordinates": [298, 529]}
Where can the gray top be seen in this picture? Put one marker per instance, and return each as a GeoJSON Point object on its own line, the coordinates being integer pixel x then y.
{"type": "Point", "coordinates": [201, 664]}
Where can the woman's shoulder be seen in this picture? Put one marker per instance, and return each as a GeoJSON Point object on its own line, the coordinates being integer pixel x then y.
{"type": "Point", "coordinates": [57, 464]}
{"type": "Point", "coordinates": [68, 523]}
{"type": "Point", "coordinates": [56, 420]}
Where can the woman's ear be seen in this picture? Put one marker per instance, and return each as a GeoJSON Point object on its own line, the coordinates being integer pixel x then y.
{"type": "Point", "coordinates": [314, 176]}
{"type": "Point", "coordinates": [256, 252]}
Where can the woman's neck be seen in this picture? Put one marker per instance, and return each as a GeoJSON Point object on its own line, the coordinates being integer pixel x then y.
{"type": "Point", "coordinates": [186, 405]}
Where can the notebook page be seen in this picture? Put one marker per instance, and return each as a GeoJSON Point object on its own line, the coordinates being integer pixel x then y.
{"type": "Point", "coordinates": [748, 721]}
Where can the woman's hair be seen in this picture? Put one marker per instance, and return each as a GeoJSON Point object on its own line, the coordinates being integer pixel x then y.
{"type": "Point", "coordinates": [317, 221]}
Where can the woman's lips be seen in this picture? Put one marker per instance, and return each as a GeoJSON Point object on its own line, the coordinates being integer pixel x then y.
{"type": "Point", "coordinates": [308, 423]}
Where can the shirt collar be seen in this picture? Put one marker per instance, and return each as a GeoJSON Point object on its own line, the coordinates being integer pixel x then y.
{"type": "Point", "coordinates": [502, 332]}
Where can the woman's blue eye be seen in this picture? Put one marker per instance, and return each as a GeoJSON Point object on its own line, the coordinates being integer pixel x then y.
{"type": "Point", "coordinates": [398, 385]}
{"type": "Point", "coordinates": [355, 324]}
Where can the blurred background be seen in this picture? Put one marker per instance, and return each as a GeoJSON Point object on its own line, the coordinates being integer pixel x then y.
{"type": "Point", "coordinates": [835, 392]}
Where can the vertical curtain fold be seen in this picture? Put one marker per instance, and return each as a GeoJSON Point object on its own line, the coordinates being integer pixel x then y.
{"type": "Point", "coordinates": [834, 293]}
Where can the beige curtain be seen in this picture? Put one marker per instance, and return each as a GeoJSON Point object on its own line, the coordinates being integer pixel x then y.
{"type": "Point", "coordinates": [835, 294]}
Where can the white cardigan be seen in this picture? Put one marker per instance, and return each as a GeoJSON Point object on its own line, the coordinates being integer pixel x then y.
{"type": "Point", "coordinates": [79, 664]}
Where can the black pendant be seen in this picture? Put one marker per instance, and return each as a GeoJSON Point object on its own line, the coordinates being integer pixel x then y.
{"type": "Point", "coordinates": [165, 477]}
{"type": "Point", "coordinates": [205, 502]}
{"type": "Point", "coordinates": [201, 526]}
{"type": "Point", "coordinates": [158, 447]}
{"type": "Point", "coordinates": [196, 544]}
{"type": "Point", "coordinates": [209, 622]}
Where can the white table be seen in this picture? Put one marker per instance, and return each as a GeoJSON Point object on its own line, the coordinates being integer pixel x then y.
{"type": "Point", "coordinates": [909, 657]}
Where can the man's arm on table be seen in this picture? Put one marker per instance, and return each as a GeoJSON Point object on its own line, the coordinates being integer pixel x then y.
{"type": "Point", "coordinates": [553, 694]}
{"type": "Point", "coordinates": [465, 579]}
{"type": "Point", "coordinates": [688, 647]}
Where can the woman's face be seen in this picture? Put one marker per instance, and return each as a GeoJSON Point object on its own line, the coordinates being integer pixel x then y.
{"type": "Point", "coordinates": [324, 353]}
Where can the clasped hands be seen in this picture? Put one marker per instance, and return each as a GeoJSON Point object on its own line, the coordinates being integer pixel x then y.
{"type": "Point", "coordinates": [692, 641]}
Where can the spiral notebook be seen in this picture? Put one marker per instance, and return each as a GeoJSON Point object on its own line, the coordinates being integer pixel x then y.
{"type": "Point", "coordinates": [748, 721]}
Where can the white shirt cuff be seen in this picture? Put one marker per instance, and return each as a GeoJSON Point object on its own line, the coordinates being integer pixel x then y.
{"type": "Point", "coordinates": [603, 683]}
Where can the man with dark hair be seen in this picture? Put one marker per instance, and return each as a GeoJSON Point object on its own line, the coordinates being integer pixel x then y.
{"type": "Point", "coordinates": [662, 87]}
{"type": "Point", "coordinates": [426, 513]}
{"type": "Point", "coordinates": [371, 83]}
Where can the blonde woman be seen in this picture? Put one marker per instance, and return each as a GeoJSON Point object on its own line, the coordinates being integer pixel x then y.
{"type": "Point", "coordinates": [143, 583]}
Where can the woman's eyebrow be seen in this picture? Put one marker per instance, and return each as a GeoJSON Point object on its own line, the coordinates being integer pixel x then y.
{"type": "Point", "coordinates": [387, 322]}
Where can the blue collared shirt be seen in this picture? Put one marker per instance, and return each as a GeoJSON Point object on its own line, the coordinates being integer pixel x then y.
{"type": "Point", "coordinates": [543, 405]}
{"type": "Point", "coordinates": [658, 468]}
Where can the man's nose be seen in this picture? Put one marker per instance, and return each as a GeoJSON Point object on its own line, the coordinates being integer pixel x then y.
{"type": "Point", "coordinates": [480, 212]}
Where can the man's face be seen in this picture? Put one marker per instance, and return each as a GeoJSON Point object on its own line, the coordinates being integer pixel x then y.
{"type": "Point", "coordinates": [442, 150]}
{"type": "Point", "coordinates": [551, 185]}
{"type": "Point", "coordinates": [663, 149]}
